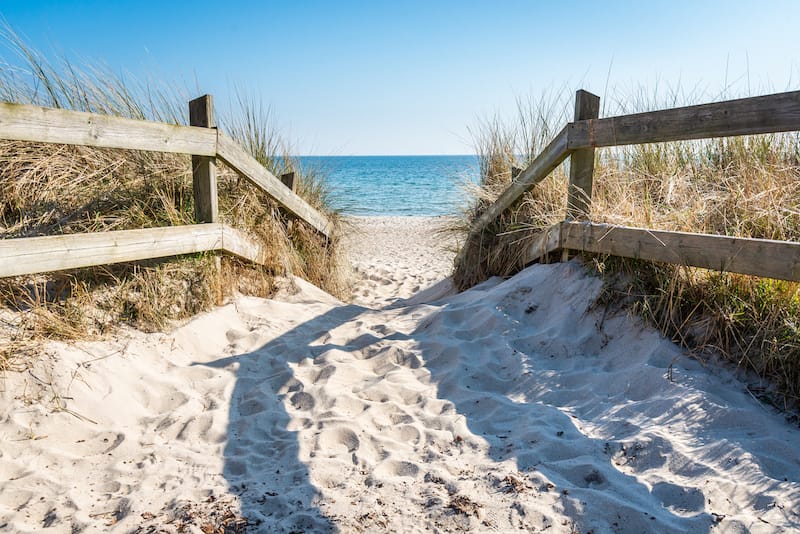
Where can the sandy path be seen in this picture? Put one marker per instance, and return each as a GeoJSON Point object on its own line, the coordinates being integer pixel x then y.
{"type": "Point", "coordinates": [518, 405]}
{"type": "Point", "coordinates": [395, 257]}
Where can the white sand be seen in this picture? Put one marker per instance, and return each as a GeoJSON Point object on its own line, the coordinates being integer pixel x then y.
{"type": "Point", "coordinates": [396, 257]}
{"type": "Point", "coordinates": [515, 405]}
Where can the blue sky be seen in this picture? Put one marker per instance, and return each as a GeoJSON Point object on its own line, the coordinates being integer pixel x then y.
{"type": "Point", "coordinates": [410, 77]}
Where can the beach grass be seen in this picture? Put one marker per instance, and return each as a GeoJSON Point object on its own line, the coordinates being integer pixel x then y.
{"type": "Point", "coordinates": [740, 186]}
{"type": "Point", "coordinates": [48, 189]}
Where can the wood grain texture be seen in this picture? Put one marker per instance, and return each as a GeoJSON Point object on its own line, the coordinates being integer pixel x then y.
{"type": "Point", "coordinates": [243, 163]}
{"type": "Point", "coordinates": [547, 243]}
{"type": "Point", "coordinates": [31, 123]}
{"type": "Point", "coordinates": [581, 167]}
{"type": "Point", "coordinates": [757, 257]}
{"type": "Point", "coordinates": [763, 114]}
{"type": "Point", "coordinates": [237, 243]}
{"type": "Point", "coordinates": [204, 173]}
{"type": "Point", "coordinates": [56, 253]}
{"type": "Point", "coordinates": [59, 252]}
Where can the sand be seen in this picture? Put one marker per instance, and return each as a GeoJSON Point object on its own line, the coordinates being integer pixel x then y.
{"type": "Point", "coordinates": [517, 405]}
{"type": "Point", "coordinates": [397, 257]}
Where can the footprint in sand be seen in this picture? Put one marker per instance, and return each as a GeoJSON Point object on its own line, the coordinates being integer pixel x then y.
{"type": "Point", "coordinates": [251, 407]}
{"type": "Point", "coordinates": [583, 476]}
{"type": "Point", "coordinates": [337, 440]}
{"type": "Point", "coordinates": [645, 454]}
{"type": "Point", "coordinates": [324, 374]}
{"type": "Point", "coordinates": [199, 428]}
{"type": "Point", "coordinates": [302, 401]}
{"type": "Point", "coordinates": [404, 434]}
{"type": "Point", "coordinates": [395, 468]}
{"type": "Point", "coordinates": [348, 406]}
{"type": "Point", "coordinates": [679, 498]}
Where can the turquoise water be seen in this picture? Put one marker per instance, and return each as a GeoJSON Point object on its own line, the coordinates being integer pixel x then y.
{"type": "Point", "coordinates": [397, 185]}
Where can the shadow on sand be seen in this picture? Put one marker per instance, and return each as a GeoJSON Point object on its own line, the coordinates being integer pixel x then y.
{"type": "Point", "coordinates": [262, 456]}
{"type": "Point", "coordinates": [262, 462]}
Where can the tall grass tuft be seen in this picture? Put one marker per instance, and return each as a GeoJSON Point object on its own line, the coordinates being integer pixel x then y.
{"type": "Point", "coordinates": [48, 189]}
{"type": "Point", "coordinates": [503, 147]}
{"type": "Point", "coordinates": [742, 186]}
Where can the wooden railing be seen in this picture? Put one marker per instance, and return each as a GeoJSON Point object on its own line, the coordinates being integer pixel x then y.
{"type": "Point", "coordinates": [578, 140]}
{"type": "Point", "coordinates": [202, 140]}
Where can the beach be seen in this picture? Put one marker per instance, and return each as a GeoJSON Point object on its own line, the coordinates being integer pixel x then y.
{"type": "Point", "coordinates": [518, 405]}
{"type": "Point", "coordinates": [395, 258]}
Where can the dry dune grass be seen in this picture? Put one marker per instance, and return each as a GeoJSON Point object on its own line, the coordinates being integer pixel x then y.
{"type": "Point", "coordinates": [744, 186]}
{"type": "Point", "coordinates": [50, 189]}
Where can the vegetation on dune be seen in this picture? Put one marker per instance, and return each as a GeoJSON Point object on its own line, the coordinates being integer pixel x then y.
{"type": "Point", "coordinates": [741, 186]}
{"type": "Point", "coordinates": [48, 189]}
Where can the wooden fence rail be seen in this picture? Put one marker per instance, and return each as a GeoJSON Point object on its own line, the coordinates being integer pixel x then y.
{"type": "Point", "coordinates": [746, 116]}
{"type": "Point", "coordinates": [757, 257]}
{"type": "Point", "coordinates": [206, 144]}
{"type": "Point", "coordinates": [578, 139]}
{"type": "Point", "coordinates": [45, 125]}
{"type": "Point", "coordinates": [72, 251]}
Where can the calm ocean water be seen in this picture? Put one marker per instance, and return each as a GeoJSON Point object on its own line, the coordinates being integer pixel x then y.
{"type": "Point", "coordinates": [397, 185]}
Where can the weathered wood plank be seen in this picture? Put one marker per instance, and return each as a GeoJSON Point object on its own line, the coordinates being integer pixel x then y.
{"type": "Point", "coordinates": [550, 158]}
{"type": "Point", "coordinates": [243, 163]}
{"type": "Point", "coordinates": [581, 167]}
{"type": "Point", "coordinates": [31, 123]}
{"type": "Point", "coordinates": [757, 257]}
{"type": "Point", "coordinates": [547, 243]}
{"type": "Point", "coordinates": [238, 244]}
{"type": "Point", "coordinates": [204, 174]}
{"type": "Point", "coordinates": [763, 114]}
{"type": "Point", "coordinates": [59, 252]}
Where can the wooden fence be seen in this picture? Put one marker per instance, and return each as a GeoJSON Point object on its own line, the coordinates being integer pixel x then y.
{"type": "Point", "coordinates": [201, 140]}
{"type": "Point", "coordinates": [578, 139]}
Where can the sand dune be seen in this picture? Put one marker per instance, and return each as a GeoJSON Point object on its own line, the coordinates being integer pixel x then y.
{"type": "Point", "coordinates": [519, 404]}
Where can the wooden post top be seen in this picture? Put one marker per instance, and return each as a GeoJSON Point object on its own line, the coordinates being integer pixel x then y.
{"type": "Point", "coordinates": [587, 105]}
{"type": "Point", "coordinates": [201, 112]}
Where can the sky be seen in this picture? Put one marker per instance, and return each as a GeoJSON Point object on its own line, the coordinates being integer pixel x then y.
{"type": "Point", "coordinates": [411, 77]}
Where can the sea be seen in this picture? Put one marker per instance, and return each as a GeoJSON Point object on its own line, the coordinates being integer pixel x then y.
{"type": "Point", "coordinates": [397, 185]}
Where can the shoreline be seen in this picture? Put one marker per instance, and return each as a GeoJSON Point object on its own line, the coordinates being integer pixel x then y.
{"type": "Point", "coordinates": [396, 216]}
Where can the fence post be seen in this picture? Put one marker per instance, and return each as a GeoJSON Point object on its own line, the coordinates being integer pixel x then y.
{"type": "Point", "coordinates": [204, 176]}
{"type": "Point", "coordinates": [581, 168]}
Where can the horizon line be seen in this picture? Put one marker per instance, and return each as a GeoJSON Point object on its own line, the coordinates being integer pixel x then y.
{"type": "Point", "coordinates": [377, 155]}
